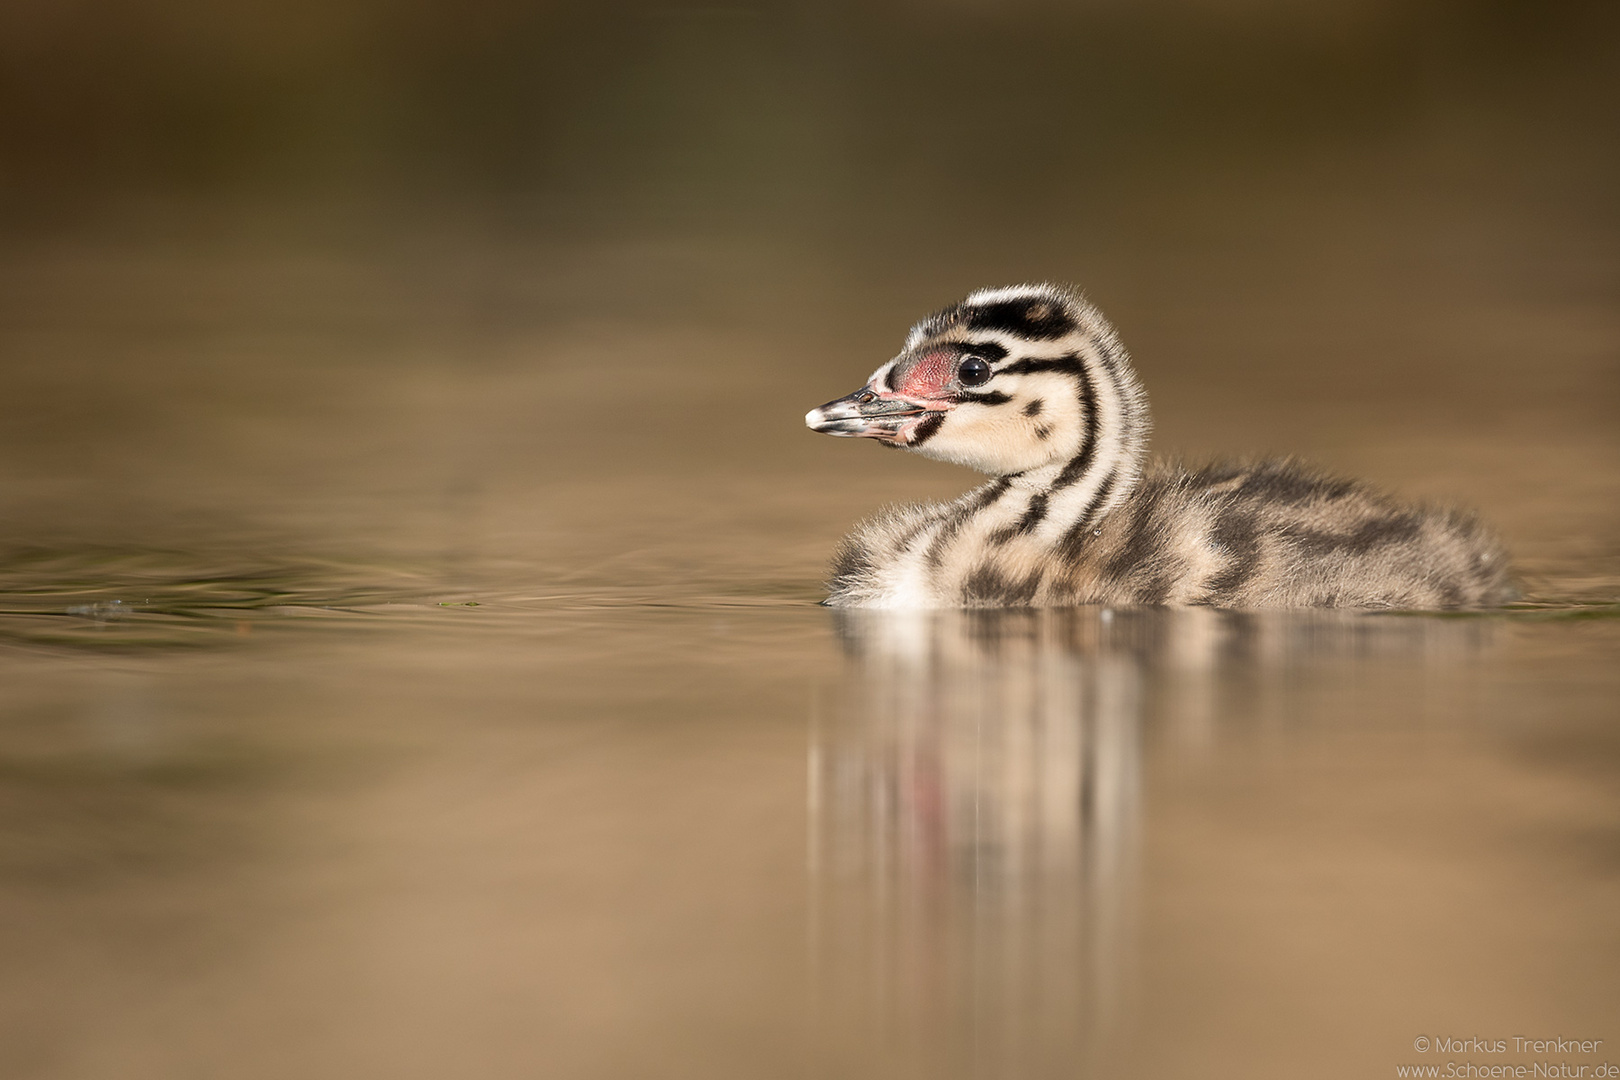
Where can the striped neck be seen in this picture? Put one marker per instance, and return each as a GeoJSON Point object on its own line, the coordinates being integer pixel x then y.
{"type": "Point", "coordinates": [1067, 498]}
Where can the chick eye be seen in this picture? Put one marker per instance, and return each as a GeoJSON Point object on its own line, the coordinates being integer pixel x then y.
{"type": "Point", "coordinates": [973, 372]}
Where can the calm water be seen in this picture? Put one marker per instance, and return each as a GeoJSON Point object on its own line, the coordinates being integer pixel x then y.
{"type": "Point", "coordinates": [413, 665]}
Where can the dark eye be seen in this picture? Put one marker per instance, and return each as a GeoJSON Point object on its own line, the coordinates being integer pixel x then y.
{"type": "Point", "coordinates": [973, 372]}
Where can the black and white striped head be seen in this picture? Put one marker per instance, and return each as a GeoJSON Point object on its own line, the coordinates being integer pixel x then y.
{"type": "Point", "coordinates": [1007, 381]}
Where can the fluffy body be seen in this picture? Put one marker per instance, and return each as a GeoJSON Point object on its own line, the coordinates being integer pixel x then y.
{"type": "Point", "coordinates": [1072, 517]}
{"type": "Point", "coordinates": [1272, 534]}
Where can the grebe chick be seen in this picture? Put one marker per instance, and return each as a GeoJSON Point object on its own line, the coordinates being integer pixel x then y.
{"type": "Point", "coordinates": [1031, 385]}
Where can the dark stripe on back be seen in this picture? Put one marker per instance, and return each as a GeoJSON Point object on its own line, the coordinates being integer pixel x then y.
{"type": "Point", "coordinates": [1379, 532]}
{"type": "Point", "coordinates": [1141, 542]}
{"type": "Point", "coordinates": [1156, 588]}
{"type": "Point", "coordinates": [1286, 483]}
{"type": "Point", "coordinates": [986, 585]}
{"type": "Point", "coordinates": [1216, 473]}
{"type": "Point", "coordinates": [1237, 531]}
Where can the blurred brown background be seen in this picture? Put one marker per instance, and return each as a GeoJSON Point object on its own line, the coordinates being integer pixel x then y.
{"type": "Point", "coordinates": [632, 114]}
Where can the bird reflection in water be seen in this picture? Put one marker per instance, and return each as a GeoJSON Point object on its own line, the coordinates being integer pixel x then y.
{"type": "Point", "coordinates": [975, 801]}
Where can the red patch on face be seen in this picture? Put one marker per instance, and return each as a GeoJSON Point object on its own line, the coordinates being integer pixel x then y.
{"type": "Point", "coordinates": [927, 377]}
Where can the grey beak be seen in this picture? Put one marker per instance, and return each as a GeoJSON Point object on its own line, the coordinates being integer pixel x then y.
{"type": "Point", "coordinates": [862, 414]}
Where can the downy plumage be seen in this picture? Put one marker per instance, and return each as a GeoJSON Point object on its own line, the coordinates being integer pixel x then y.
{"type": "Point", "coordinates": [1031, 385]}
